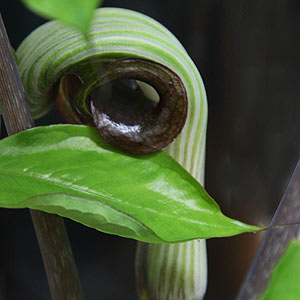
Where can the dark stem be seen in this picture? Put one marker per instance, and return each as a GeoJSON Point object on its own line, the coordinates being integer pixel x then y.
{"type": "Point", "coordinates": [50, 229]}
{"type": "Point", "coordinates": [57, 256]}
{"type": "Point", "coordinates": [274, 241]}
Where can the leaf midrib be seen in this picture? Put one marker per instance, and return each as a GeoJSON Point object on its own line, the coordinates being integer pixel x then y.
{"type": "Point", "coordinates": [86, 195]}
{"type": "Point", "coordinates": [15, 173]}
{"type": "Point", "coordinates": [50, 182]}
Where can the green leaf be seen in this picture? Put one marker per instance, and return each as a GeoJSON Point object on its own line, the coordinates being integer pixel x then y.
{"type": "Point", "coordinates": [69, 170]}
{"type": "Point", "coordinates": [284, 283]}
{"type": "Point", "coordinates": [77, 13]}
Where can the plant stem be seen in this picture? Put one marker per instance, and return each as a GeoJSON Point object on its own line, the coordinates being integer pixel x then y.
{"type": "Point", "coordinates": [274, 241]}
{"type": "Point", "coordinates": [50, 229]}
{"type": "Point", "coordinates": [57, 256]}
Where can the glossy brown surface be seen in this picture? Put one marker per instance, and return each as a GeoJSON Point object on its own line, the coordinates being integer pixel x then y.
{"type": "Point", "coordinates": [125, 117]}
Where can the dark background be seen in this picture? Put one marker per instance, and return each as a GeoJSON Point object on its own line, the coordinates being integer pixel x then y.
{"type": "Point", "coordinates": [248, 53]}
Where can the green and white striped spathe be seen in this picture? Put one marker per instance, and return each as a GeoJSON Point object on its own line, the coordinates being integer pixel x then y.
{"type": "Point", "coordinates": [55, 49]}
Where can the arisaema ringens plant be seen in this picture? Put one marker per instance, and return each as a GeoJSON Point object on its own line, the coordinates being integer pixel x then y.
{"type": "Point", "coordinates": [134, 166]}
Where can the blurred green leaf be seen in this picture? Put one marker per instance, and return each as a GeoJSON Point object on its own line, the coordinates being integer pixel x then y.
{"type": "Point", "coordinates": [69, 170]}
{"type": "Point", "coordinates": [284, 283]}
{"type": "Point", "coordinates": [77, 13]}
